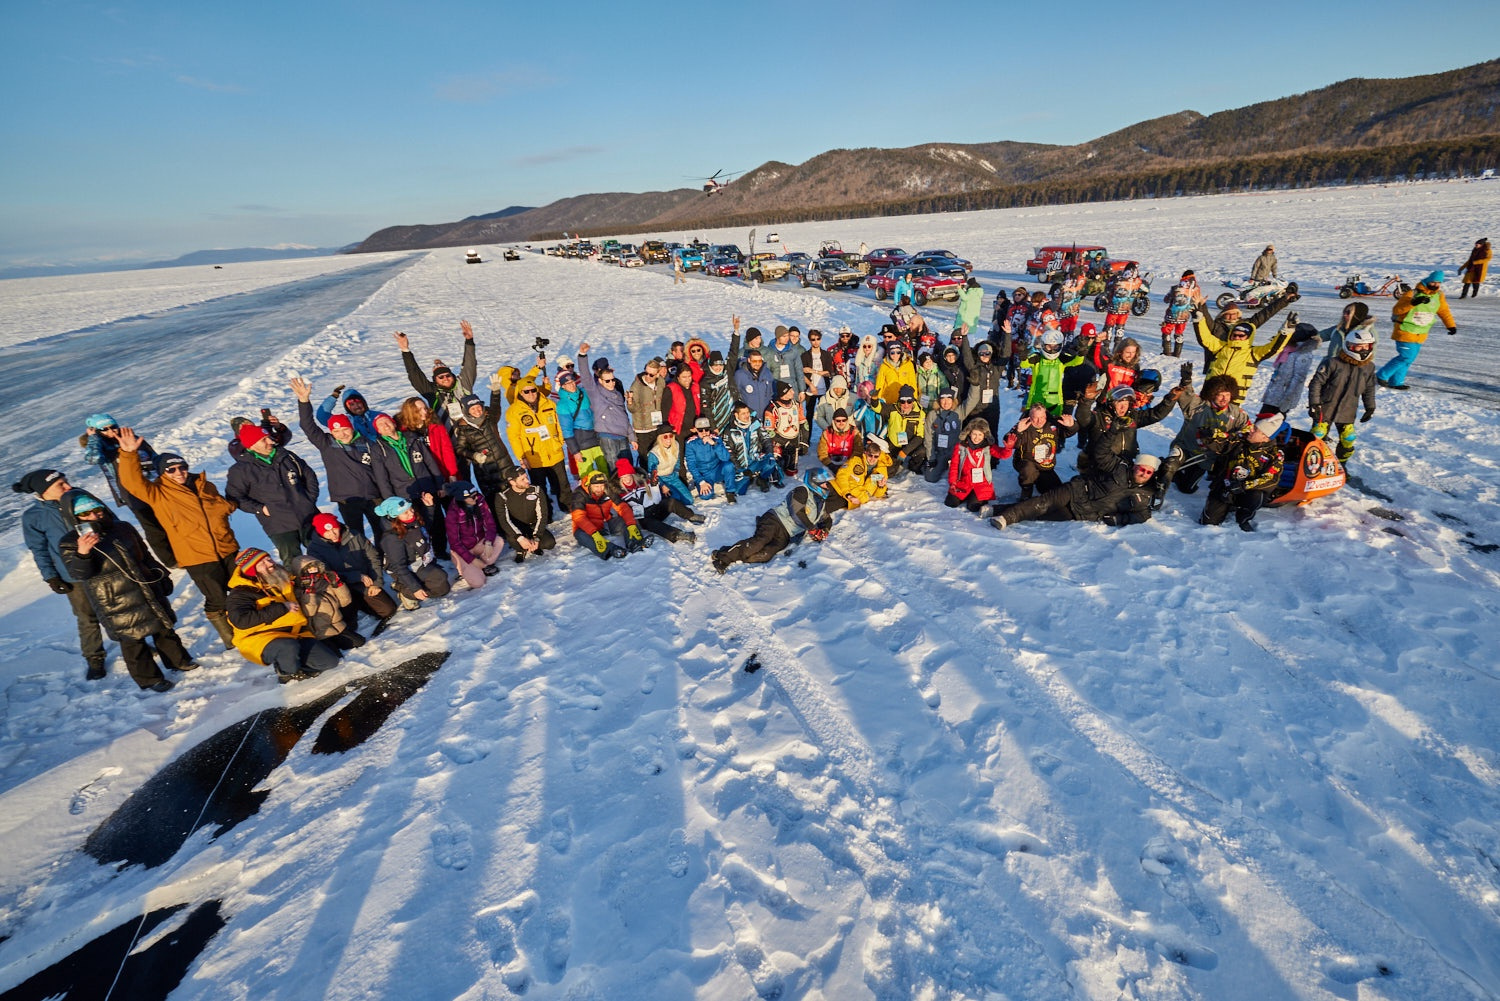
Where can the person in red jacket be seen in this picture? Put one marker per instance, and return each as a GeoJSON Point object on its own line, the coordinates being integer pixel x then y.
{"type": "Point", "coordinates": [597, 516]}
{"type": "Point", "coordinates": [971, 473]}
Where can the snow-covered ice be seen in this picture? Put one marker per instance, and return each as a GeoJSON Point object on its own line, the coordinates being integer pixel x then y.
{"type": "Point", "coordinates": [1065, 761]}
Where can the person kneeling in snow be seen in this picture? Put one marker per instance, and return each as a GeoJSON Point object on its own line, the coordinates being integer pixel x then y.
{"type": "Point", "coordinates": [1243, 476]}
{"type": "Point", "coordinates": [408, 552]}
{"type": "Point", "coordinates": [971, 474]}
{"type": "Point", "coordinates": [269, 627]}
{"type": "Point", "coordinates": [807, 510]}
{"type": "Point", "coordinates": [1115, 491]}
{"type": "Point", "coordinates": [652, 506]}
{"type": "Point", "coordinates": [596, 516]}
{"type": "Point", "coordinates": [472, 537]}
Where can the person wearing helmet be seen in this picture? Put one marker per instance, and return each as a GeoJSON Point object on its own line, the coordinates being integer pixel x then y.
{"type": "Point", "coordinates": [807, 510]}
{"type": "Point", "coordinates": [269, 626]}
{"type": "Point", "coordinates": [1243, 475]}
{"type": "Point", "coordinates": [1340, 385]}
{"type": "Point", "coordinates": [129, 589]}
{"type": "Point", "coordinates": [597, 516]}
{"type": "Point", "coordinates": [1047, 366]}
{"type": "Point", "coordinates": [1039, 439]}
{"type": "Point", "coordinates": [1291, 370]}
{"type": "Point", "coordinates": [407, 549]}
{"type": "Point", "coordinates": [1413, 316]}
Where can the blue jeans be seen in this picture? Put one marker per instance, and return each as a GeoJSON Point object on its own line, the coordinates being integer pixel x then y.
{"type": "Point", "coordinates": [1394, 371]}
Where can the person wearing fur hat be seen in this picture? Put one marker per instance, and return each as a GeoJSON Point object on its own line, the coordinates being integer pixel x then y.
{"type": "Point", "coordinates": [128, 588]}
{"type": "Point", "coordinates": [1243, 475]}
{"type": "Point", "coordinates": [807, 510]}
{"type": "Point", "coordinates": [196, 520]}
{"type": "Point", "coordinates": [971, 477]}
{"type": "Point", "coordinates": [346, 461]}
{"type": "Point", "coordinates": [269, 627]}
{"type": "Point", "coordinates": [444, 389]}
{"type": "Point", "coordinates": [1211, 421]}
{"type": "Point", "coordinates": [327, 602]}
{"type": "Point", "coordinates": [536, 440]}
{"type": "Point", "coordinates": [1476, 267]}
{"type": "Point", "coordinates": [866, 476]}
{"type": "Point", "coordinates": [1291, 370]}
{"type": "Point", "coordinates": [708, 463]}
{"type": "Point", "coordinates": [652, 505]}
{"type": "Point", "coordinates": [1412, 317]}
{"type": "Point", "coordinates": [276, 486]}
{"type": "Point", "coordinates": [522, 512]}
{"type": "Point", "coordinates": [43, 525]}
{"type": "Point", "coordinates": [344, 551]}
{"type": "Point", "coordinates": [1117, 490]}
{"type": "Point", "coordinates": [1179, 313]}
{"type": "Point", "coordinates": [597, 517]}
{"type": "Point", "coordinates": [1338, 388]}
{"type": "Point", "coordinates": [473, 538]}
{"type": "Point", "coordinates": [408, 552]}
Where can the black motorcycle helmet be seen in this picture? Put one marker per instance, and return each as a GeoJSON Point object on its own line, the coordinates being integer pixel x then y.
{"type": "Point", "coordinates": [1147, 381]}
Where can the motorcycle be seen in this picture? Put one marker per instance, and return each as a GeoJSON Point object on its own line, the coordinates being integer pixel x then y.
{"type": "Point", "coordinates": [1254, 294]}
{"type": "Point", "coordinates": [1141, 304]}
{"type": "Point", "coordinates": [1355, 285]}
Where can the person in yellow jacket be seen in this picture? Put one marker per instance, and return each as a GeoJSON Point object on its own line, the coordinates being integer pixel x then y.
{"type": "Point", "coordinates": [863, 478]}
{"type": "Point", "coordinates": [906, 430]}
{"type": "Point", "coordinates": [508, 379]}
{"type": "Point", "coordinates": [1476, 267]}
{"type": "Point", "coordinates": [1414, 315]}
{"type": "Point", "coordinates": [269, 627]}
{"type": "Point", "coordinates": [1237, 354]}
{"type": "Point", "coordinates": [536, 440]}
{"type": "Point", "coordinates": [896, 371]}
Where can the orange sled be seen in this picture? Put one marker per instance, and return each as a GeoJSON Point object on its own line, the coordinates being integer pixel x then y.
{"type": "Point", "coordinates": [1310, 471]}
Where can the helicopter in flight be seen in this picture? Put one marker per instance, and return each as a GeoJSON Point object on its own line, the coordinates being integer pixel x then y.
{"type": "Point", "coordinates": [717, 180]}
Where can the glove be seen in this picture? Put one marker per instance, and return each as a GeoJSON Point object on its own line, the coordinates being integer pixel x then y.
{"type": "Point", "coordinates": [1186, 373]}
{"type": "Point", "coordinates": [817, 534]}
{"type": "Point", "coordinates": [1366, 418]}
{"type": "Point", "coordinates": [1420, 300]}
{"type": "Point", "coordinates": [600, 543]}
{"type": "Point", "coordinates": [1452, 331]}
{"type": "Point", "coordinates": [338, 389]}
{"type": "Point", "coordinates": [1320, 429]}
{"type": "Point", "coordinates": [635, 542]}
{"type": "Point", "coordinates": [58, 585]}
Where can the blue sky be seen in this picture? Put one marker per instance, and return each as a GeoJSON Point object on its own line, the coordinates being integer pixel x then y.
{"type": "Point", "coordinates": [146, 130]}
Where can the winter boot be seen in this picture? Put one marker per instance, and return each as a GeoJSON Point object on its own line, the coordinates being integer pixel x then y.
{"type": "Point", "coordinates": [96, 669]}
{"type": "Point", "coordinates": [730, 497]}
{"type": "Point", "coordinates": [1177, 347]}
{"type": "Point", "coordinates": [220, 622]}
{"type": "Point", "coordinates": [1166, 344]}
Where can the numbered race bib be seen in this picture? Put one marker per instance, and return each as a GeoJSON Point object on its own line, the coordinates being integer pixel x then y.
{"type": "Point", "coordinates": [900, 437]}
{"type": "Point", "coordinates": [942, 441]}
{"type": "Point", "coordinates": [987, 396]}
{"type": "Point", "coordinates": [786, 371]}
{"type": "Point", "coordinates": [656, 418]}
{"type": "Point", "coordinates": [976, 475]}
{"type": "Point", "coordinates": [1421, 319]}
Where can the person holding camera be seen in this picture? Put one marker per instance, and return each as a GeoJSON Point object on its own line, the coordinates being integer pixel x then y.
{"type": "Point", "coordinates": [1413, 316]}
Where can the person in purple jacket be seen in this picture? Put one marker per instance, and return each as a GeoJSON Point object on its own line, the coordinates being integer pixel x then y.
{"type": "Point", "coordinates": [472, 536]}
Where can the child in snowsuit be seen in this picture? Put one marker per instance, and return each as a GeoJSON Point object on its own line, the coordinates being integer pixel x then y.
{"type": "Point", "coordinates": [1340, 385]}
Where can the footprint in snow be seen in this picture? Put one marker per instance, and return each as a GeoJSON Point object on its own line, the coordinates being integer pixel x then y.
{"type": "Point", "coordinates": [86, 796]}
{"type": "Point", "coordinates": [559, 947]}
{"type": "Point", "coordinates": [1160, 859]}
{"type": "Point", "coordinates": [561, 836]}
{"type": "Point", "coordinates": [677, 855]}
{"type": "Point", "coordinates": [451, 846]}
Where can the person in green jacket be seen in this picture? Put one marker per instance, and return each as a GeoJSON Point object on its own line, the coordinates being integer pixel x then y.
{"type": "Point", "coordinates": [1414, 315]}
{"type": "Point", "coordinates": [1047, 367]}
{"type": "Point", "coordinates": [970, 302]}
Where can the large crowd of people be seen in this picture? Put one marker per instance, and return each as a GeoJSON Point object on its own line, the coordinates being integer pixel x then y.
{"type": "Point", "coordinates": [439, 490]}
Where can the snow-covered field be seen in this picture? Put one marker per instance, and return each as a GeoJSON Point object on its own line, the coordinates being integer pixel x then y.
{"type": "Point", "coordinates": [1065, 761]}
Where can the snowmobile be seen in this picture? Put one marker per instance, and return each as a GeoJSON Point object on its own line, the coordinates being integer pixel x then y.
{"type": "Point", "coordinates": [1254, 294]}
{"type": "Point", "coordinates": [1310, 470]}
{"type": "Point", "coordinates": [1355, 285]}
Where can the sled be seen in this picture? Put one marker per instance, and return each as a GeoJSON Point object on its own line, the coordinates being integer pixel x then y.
{"type": "Point", "coordinates": [1311, 469]}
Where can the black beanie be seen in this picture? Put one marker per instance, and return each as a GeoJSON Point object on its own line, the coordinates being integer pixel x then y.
{"type": "Point", "coordinates": [37, 481]}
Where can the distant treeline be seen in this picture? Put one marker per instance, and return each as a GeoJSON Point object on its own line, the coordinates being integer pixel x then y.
{"type": "Point", "coordinates": [1407, 161]}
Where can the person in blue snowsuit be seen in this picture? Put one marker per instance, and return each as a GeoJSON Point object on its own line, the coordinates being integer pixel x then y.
{"type": "Point", "coordinates": [709, 463]}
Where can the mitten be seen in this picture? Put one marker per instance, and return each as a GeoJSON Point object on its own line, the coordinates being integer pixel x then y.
{"type": "Point", "coordinates": [1366, 418]}
{"type": "Point", "coordinates": [59, 585]}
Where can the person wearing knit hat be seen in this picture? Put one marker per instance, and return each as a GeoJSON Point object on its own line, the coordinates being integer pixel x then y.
{"type": "Point", "coordinates": [1412, 317]}
{"type": "Point", "coordinates": [269, 626]}
{"type": "Point", "coordinates": [43, 525]}
{"type": "Point", "coordinates": [276, 486]}
{"type": "Point", "coordinates": [1476, 267]}
{"type": "Point", "coordinates": [346, 461]}
{"type": "Point", "coordinates": [652, 505]}
{"type": "Point", "coordinates": [358, 563]}
{"type": "Point", "coordinates": [356, 410]}
{"type": "Point", "coordinates": [444, 389]}
{"type": "Point", "coordinates": [1244, 475]}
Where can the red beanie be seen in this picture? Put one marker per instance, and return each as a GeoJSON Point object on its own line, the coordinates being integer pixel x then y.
{"type": "Point", "coordinates": [249, 434]}
{"type": "Point", "coordinates": [1087, 330]}
{"type": "Point", "coordinates": [322, 522]}
{"type": "Point", "coordinates": [340, 421]}
{"type": "Point", "coordinates": [624, 468]}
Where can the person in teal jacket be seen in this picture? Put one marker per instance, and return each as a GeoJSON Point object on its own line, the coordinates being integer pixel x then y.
{"type": "Point", "coordinates": [970, 302]}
